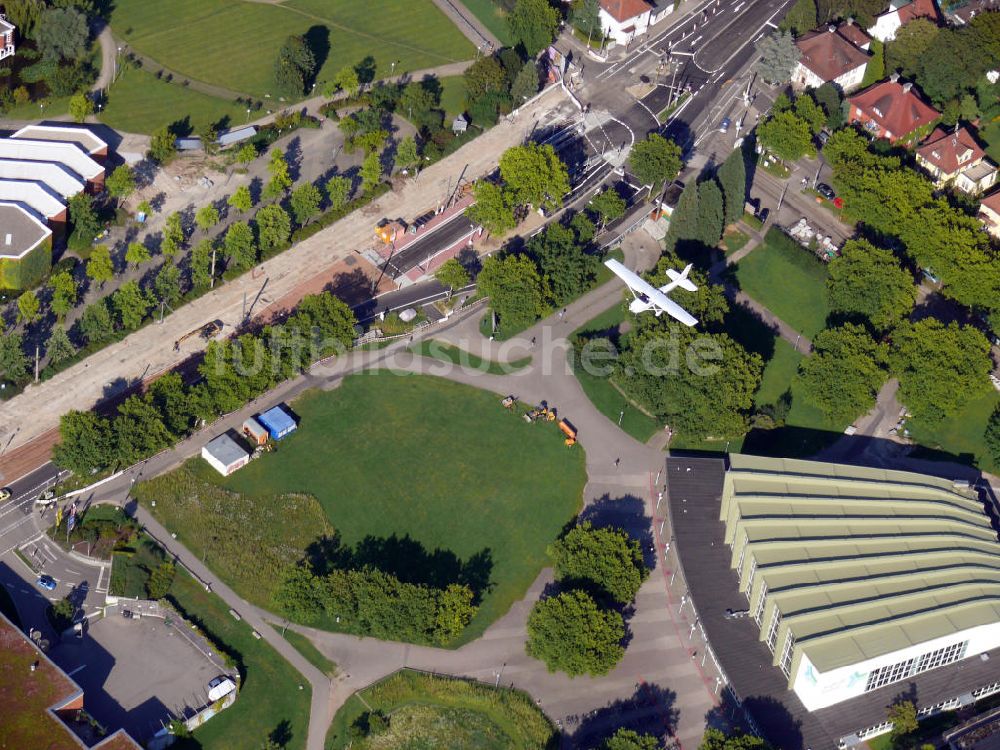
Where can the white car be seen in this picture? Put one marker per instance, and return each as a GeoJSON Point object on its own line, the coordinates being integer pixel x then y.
{"type": "Point", "coordinates": [4, 494]}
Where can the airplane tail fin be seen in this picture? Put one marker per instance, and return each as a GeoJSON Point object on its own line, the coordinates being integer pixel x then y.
{"type": "Point", "coordinates": [679, 279]}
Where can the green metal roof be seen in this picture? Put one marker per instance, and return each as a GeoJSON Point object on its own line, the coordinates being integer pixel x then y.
{"type": "Point", "coordinates": [859, 561]}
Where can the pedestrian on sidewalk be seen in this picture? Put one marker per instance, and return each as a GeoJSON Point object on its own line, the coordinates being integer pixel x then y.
{"type": "Point", "coordinates": [532, 340]}
{"type": "Point", "coordinates": [617, 461]}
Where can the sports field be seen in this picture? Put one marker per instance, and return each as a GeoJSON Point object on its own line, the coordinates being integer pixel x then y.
{"type": "Point", "coordinates": [234, 43]}
{"type": "Point", "coordinates": [139, 102]}
{"type": "Point", "coordinates": [384, 455]}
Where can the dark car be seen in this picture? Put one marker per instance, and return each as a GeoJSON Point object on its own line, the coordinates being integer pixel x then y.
{"type": "Point", "coordinates": [47, 582]}
{"type": "Point", "coordinates": [826, 191]}
{"type": "Point", "coordinates": [724, 125]}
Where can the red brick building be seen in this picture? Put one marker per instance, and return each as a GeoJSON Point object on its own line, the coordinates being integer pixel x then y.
{"type": "Point", "coordinates": [892, 110]}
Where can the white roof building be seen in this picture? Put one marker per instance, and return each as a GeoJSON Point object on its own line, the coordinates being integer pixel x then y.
{"type": "Point", "coordinates": [82, 137]}
{"type": "Point", "coordinates": [69, 155]}
{"type": "Point", "coordinates": [62, 180]}
{"type": "Point", "coordinates": [225, 455]}
{"type": "Point", "coordinates": [36, 196]}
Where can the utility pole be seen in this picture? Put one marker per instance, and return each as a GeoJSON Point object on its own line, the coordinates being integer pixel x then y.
{"type": "Point", "coordinates": [36, 362]}
{"type": "Point", "coordinates": [211, 283]}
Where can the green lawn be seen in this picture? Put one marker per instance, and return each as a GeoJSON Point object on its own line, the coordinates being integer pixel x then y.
{"type": "Point", "coordinates": [602, 394]}
{"type": "Point", "coordinates": [139, 102]}
{"type": "Point", "coordinates": [452, 96]}
{"type": "Point", "coordinates": [312, 654]}
{"type": "Point", "coordinates": [387, 454]}
{"type": "Point", "coordinates": [991, 135]}
{"type": "Point", "coordinates": [425, 711]}
{"type": "Point", "coordinates": [234, 43]}
{"type": "Point", "coordinates": [492, 17]}
{"type": "Point", "coordinates": [961, 435]}
{"type": "Point", "coordinates": [788, 280]}
{"type": "Point", "coordinates": [733, 240]}
{"type": "Point", "coordinates": [778, 373]}
{"type": "Point", "coordinates": [452, 354]}
{"type": "Point", "coordinates": [269, 699]}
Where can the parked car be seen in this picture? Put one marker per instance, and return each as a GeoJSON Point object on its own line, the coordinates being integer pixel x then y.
{"type": "Point", "coordinates": [47, 582]}
{"type": "Point", "coordinates": [4, 494]}
{"type": "Point", "coordinates": [724, 125]}
{"type": "Point", "coordinates": [823, 137]}
{"type": "Point", "coordinates": [826, 191]}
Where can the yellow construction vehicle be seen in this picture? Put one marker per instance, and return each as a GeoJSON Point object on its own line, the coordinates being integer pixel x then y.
{"type": "Point", "coordinates": [569, 430]}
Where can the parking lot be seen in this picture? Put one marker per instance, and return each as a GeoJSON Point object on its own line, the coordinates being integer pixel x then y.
{"type": "Point", "coordinates": [139, 673]}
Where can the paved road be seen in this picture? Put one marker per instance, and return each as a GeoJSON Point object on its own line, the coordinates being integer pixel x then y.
{"type": "Point", "coordinates": [108, 51]}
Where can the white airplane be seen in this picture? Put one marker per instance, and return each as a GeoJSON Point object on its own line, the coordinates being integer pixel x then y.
{"type": "Point", "coordinates": [648, 297]}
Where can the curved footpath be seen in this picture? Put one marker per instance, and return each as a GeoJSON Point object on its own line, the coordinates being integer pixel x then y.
{"type": "Point", "coordinates": [659, 684]}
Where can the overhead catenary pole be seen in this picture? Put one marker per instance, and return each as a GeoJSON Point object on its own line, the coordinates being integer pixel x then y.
{"type": "Point", "coordinates": [36, 362]}
{"type": "Point", "coordinates": [211, 283]}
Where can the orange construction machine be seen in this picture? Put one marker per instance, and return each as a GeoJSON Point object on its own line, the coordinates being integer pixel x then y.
{"type": "Point", "coordinates": [569, 430]}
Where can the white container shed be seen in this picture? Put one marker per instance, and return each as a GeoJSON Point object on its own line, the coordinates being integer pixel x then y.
{"type": "Point", "coordinates": [225, 455]}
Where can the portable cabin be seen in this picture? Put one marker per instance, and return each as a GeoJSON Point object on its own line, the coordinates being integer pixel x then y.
{"type": "Point", "coordinates": [225, 455]}
{"type": "Point", "coordinates": [278, 422]}
{"type": "Point", "coordinates": [255, 431]}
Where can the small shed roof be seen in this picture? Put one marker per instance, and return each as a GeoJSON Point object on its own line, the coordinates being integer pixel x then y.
{"type": "Point", "coordinates": [460, 124]}
{"type": "Point", "coordinates": [254, 427]}
{"type": "Point", "coordinates": [277, 420]}
{"type": "Point", "coordinates": [226, 450]}
{"type": "Point", "coordinates": [188, 144]}
{"type": "Point", "coordinates": [236, 135]}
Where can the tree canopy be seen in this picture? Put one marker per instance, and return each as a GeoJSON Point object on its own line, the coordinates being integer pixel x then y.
{"type": "Point", "coordinates": [572, 634]}
{"type": "Point", "coordinates": [715, 739]}
{"type": "Point", "coordinates": [778, 56]}
{"type": "Point", "coordinates": [844, 373]}
{"type": "Point", "coordinates": [655, 160]}
{"type": "Point", "coordinates": [606, 561]}
{"type": "Point", "coordinates": [786, 135]}
{"type": "Point", "coordinates": [868, 282]}
{"type": "Point", "coordinates": [566, 270]}
{"type": "Point", "coordinates": [940, 367]}
{"type": "Point", "coordinates": [534, 174]}
{"type": "Point", "coordinates": [629, 739]}
{"type": "Point", "coordinates": [533, 24]}
{"type": "Point", "coordinates": [514, 288]}
{"type": "Point", "coordinates": [295, 66]}
{"type": "Point", "coordinates": [493, 208]}
{"type": "Point", "coordinates": [732, 176]}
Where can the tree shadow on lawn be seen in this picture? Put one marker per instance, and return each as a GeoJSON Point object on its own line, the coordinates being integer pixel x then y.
{"type": "Point", "coordinates": [406, 559]}
{"type": "Point", "coordinates": [650, 709]}
{"type": "Point", "coordinates": [318, 41]}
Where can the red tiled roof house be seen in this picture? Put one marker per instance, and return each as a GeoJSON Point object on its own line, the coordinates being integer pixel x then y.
{"type": "Point", "coordinates": [892, 110]}
{"type": "Point", "coordinates": [989, 213]}
{"type": "Point", "coordinates": [956, 158]}
{"type": "Point", "coordinates": [900, 14]}
{"type": "Point", "coordinates": [835, 54]}
{"type": "Point", "coordinates": [623, 20]}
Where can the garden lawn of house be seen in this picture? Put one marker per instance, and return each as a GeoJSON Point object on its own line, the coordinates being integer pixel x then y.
{"type": "Point", "coordinates": [387, 454]}
{"type": "Point", "coordinates": [270, 700]}
{"type": "Point", "coordinates": [788, 280]}
{"type": "Point", "coordinates": [960, 435]}
{"type": "Point", "coordinates": [492, 17]}
{"type": "Point", "coordinates": [602, 394]}
{"type": "Point", "coordinates": [991, 135]}
{"type": "Point", "coordinates": [234, 43]}
{"type": "Point", "coordinates": [139, 102]}
{"type": "Point", "coordinates": [443, 713]}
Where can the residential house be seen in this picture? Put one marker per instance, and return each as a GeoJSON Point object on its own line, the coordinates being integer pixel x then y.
{"type": "Point", "coordinates": [836, 54]}
{"type": "Point", "coordinates": [623, 20]}
{"type": "Point", "coordinates": [6, 37]}
{"type": "Point", "coordinates": [892, 110]}
{"type": "Point", "coordinates": [989, 213]}
{"type": "Point", "coordinates": [956, 158]}
{"type": "Point", "coordinates": [899, 14]}
{"type": "Point", "coordinates": [960, 12]}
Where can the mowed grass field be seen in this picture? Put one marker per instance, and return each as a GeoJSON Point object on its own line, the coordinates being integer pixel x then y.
{"type": "Point", "coordinates": [492, 17]}
{"type": "Point", "coordinates": [389, 454]}
{"type": "Point", "coordinates": [788, 280]}
{"type": "Point", "coordinates": [139, 102]}
{"type": "Point", "coordinates": [440, 712]}
{"type": "Point", "coordinates": [234, 43]}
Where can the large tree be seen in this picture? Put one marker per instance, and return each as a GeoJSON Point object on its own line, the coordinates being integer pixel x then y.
{"type": "Point", "coordinates": [59, 347]}
{"type": "Point", "coordinates": [711, 213]}
{"type": "Point", "coordinates": [206, 217]}
{"type": "Point", "coordinates": [239, 247]}
{"type": "Point", "coordinates": [525, 83]}
{"type": "Point", "coordinates": [28, 307]}
{"type": "Point", "coordinates": [274, 226]}
{"type": "Point", "coordinates": [534, 174]}
{"type": "Point", "coordinates": [452, 274]}
{"type": "Point", "coordinates": [629, 739]}
{"type": "Point", "coordinates": [100, 269]}
{"type": "Point", "coordinates": [778, 56]}
{"type": "Point", "coordinates": [493, 208]}
{"type": "Point", "coordinates": [64, 292]}
{"type": "Point", "coordinates": [95, 324]}
{"type": "Point", "coordinates": [572, 634]}
{"type": "Point", "coordinates": [139, 431]}
{"type": "Point", "coordinates": [606, 560]}
{"type": "Point", "coordinates": [131, 303]}
{"type": "Point", "coordinates": [62, 34]}
{"type": "Point", "coordinates": [86, 225]}
{"type": "Point", "coordinates": [13, 363]}
{"type": "Point", "coordinates": [294, 67]}
{"type": "Point", "coordinates": [136, 254]}
{"type": "Point", "coordinates": [732, 176]}
{"type": "Point", "coordinates": [240, 201]}
{"type": "Point", "coordinates": [655, 161]}
{"type": "Point", "coordinates": [304, 201]}
{"type": "Point", "coordinates": [485, 76]}
{"type": "Point", "coordinates": [701, 384]}
{"type": "Point", "coordinates": [608, 206]}
{"type": "Point", "coordinates": [716, 739]}
{"type": "Point", "coordinates": [514, 288]}
{"type": "Point", "coordinates": [566, 269]}
{"type": "Point", "coordinates": [912, 41]}
{"type": "Point", "coordinates": [868, 282]}
{"type": "Point", "coordinates": [371, 171]}
{"type": "Point", "coordinates": [940, 368]}
{"type": "Point", "coordinates": [844, 373]}
{"type": "Point", "coordinates": [991, 438]}
{"type": "Point", "coordinates": [786, 135]}
{"type": "Point", "coordinates": [120, 184]}
{"type": "Point", "coordinates": [801, 18]}
{"type": "Point", "coordinates": [85, 443]}
{"type": "Point", "coordinates": [338, 191]}
{"type": "Point", "coordinates": [533, 24]}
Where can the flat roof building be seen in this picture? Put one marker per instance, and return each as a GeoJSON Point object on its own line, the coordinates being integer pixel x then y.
{"type": "Point", "coordinates": [225, 455]}
{"type": "Point", "coordinates": [851, 585]}
{"type": "Point", "coordinates": [69, 155]}
{"type": "Point", "coordinates": [278, 422]}
{"type": "Point", "coordinates": [40, 701]}
{"type": "Point", "coordinates": [81, 136]}
{"type": "Point", "coordinates": [36, 196]}
{"type": "Point", "coordinates": [63, 181]}
{"type": "Point", "coordinates": [25, 247]}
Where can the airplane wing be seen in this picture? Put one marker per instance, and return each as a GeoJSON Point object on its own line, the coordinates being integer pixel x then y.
{"type": "Point", "coordinates": [679, 279]}
{"type": "Point", "coordinates": [648, 296]}
{"type": "Point", "coordinates": [674, 310]}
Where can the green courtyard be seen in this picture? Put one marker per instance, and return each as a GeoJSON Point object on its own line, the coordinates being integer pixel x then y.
{"type": "Point", "coordinates": [234, 43]}
{"type": "Point", "coordinates": [404, 465]}
{"type": "Point", "coordinates": [423, 711]}
{"type": "Point", "coordinates": [788, 280]}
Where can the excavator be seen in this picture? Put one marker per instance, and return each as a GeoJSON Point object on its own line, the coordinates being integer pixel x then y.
{"type": "Point", "coordinates": [206, 332]}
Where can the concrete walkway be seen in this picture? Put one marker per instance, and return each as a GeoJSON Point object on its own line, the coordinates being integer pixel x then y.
{"type": "Point", "coordinates": [468, 24]}
{"type": "Point", "coordinates": [108, 52]}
